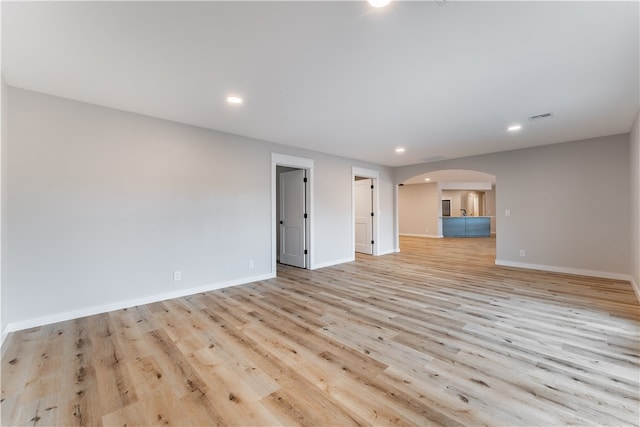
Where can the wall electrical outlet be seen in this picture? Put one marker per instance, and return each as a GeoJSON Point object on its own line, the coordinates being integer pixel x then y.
{"type": "Point", "coordinates": [521, 252]}
{"type": "Point", "coordinates": [507, 212]}
{"type": "Point", "coordinates": [177, 276]}
{"type": "Point", "coordinates": [250, 263]}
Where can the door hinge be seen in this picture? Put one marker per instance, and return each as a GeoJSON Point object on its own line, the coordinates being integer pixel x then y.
{"type": "Point", "coordinates": [372, 242]}
{"type": "Point", "coordinates": [372, 186]}
{"type": "Point", "coordinates": [305, 216]}
{"type": "Point", "coordinates": [305, 179]}
{"type": "Point", "coordinates": [371, 213]}
{"type": "Point", "coordinates": [306, 251]}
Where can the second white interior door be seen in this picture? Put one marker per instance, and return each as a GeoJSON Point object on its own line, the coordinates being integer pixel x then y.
{"type": "Point", "coordinates": [363, 194]}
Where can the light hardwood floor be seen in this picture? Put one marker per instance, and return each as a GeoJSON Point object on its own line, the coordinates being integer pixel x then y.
{"type": "Point", "coordinates": [436, 335]}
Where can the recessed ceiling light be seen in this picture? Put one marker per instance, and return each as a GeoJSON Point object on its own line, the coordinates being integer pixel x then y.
{"type": "Point", "coordinates": [379, 3]}
{"type": "Point", "coordinates": [399, 150]}
{"type": "Point", "coordinates": [234, 100]}
{"type": "Point", "coordinates": [514, 128]}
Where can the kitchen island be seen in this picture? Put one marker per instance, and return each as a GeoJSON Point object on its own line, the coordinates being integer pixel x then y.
{"type": "Point", "coordinates": [466, 226]}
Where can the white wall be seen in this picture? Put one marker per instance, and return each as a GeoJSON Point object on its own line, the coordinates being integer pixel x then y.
{"type": "Point", "coordinates": [569, 204]}
{"type": "Point", "coordinates": [634, 227]}
{"type": "Point", "coordinates": [103, 206]}
{"type": "Point", "coordinates": [418, 209]}
{"type": "Point", "coordinates": [4, 131]}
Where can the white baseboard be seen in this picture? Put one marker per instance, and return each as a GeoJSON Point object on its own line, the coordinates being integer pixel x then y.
{"type": "Point", "coordinates": [430, 236]}
{"type": "Point", "coordinates": [636, 288]}
{"type": "Point", "coordinates": [567, 270]}
{"type": "Point", "coordinates": [332, 263]}
{"type": "Point", "coordinates": [76, 314]}
{"type": "Point", "coordinates": [387, 252]}
{"type": "Point", "coordinates": [5, 332]}
{"type": "Point", "coordinates": [344, 260]}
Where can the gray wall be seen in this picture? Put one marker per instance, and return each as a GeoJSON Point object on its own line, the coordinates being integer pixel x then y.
{"type": "Point", "coordinates": [101, 206]}
{"type": "Point", "coordinates": [104, 205]}
{"type": "Point", "coordinates": [634, 227]}
{"type": "Point", "coordinates": [4, 128]}
{"type": "Point", "coordinates": [569, 203]}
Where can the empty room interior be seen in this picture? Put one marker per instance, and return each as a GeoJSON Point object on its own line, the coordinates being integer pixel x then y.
{"type": "Point", "coordinates": [320, 213]}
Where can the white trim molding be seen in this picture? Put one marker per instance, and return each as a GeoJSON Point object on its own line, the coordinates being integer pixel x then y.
{"type": "Point", "coordinates": [332, 263]}
{"type": "Point", "coordinates": [292, 161]}
{"type": "Point", "coordinates": [430, 236]}
{"type": "Point", "coordinates": [567, 270]}
{"type": "Point", "coordinates": [389, 251]}
{"type": "Point", "coordinates": [636, 288]}
{"type": "Point", "coordinates": [90, 311]}
{"type": "Point", "coordinates": [5, 333]}
{"type": "Point", "coordinates": [278, 159]}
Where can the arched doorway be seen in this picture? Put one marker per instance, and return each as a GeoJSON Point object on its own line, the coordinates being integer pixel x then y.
{"type": "Point", "coordinates": [429, 204]}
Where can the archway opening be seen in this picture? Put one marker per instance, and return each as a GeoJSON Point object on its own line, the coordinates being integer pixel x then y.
{"type": "Point", "coordinates": [450, 203]}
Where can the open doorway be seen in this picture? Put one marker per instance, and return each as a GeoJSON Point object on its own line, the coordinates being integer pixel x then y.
{"type": "Point", "coordinates": [365, 212]}
{"type": "Point", "coordinates": [291, 211]}
{"type": "Point", "coordinates": [443, 203]}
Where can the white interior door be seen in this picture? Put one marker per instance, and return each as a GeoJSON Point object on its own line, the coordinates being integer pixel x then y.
{"type": "Point", "coordinates": [363, 194]}
{"type": "Point", "coordinates": [292, 221]}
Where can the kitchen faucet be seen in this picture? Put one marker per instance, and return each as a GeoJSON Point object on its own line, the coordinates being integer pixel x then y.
{"type": "Point", "coordinates": [464, 212]}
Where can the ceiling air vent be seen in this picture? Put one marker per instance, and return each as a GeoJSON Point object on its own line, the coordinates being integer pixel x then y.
{"type": "Point", "coordinates": [541, 117]}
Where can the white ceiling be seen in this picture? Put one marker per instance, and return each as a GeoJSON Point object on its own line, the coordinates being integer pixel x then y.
{"type": "Point", "coordinates": [443, 80]}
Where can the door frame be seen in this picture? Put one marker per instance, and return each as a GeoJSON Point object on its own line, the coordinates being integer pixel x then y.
{"type": "Point", "coordinates": [292, 190]}
{"type": "Point", "coordinates": [278, 159]}
{"type": "Point", "coordinates": [375, 177]}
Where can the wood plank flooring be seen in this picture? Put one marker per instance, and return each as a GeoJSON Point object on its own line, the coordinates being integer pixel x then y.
{"type": "Point", "coordinates": [435, 335]}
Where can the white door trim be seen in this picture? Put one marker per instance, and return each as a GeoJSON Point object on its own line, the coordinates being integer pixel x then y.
{"type": "Point", "coordinates": [278, 159]}
{"type": "Point", "coordinates": [375, 176]}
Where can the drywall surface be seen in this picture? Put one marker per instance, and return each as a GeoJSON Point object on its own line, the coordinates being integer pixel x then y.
{"type": "Point", "coordinates": [490, 208]}
{"type": "Point", "coordinates": [634, 251]}
{"type": "Point", "coordinates": [569, 203]}
{"type": "Point", "coordinates": [418, 210]}
{"type": "Point", "coordinates": [103, 206]}
{"type": "Point", "coordinates": [4, 131]}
